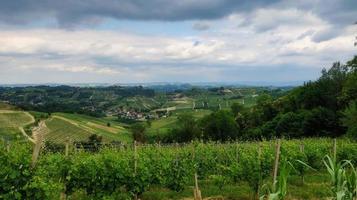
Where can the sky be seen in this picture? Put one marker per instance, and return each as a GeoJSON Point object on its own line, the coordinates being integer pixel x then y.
{"type": "Point", "coordinates": [138, 41]}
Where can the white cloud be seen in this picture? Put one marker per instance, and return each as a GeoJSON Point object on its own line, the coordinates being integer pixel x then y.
{"type": "Point", "coordinates": [265, 38]}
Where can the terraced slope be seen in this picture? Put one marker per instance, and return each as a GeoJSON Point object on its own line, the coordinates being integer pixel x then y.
{"type": "Point", "coordinates": [12, 122]}
{"type": "Point", "coordinates": [80, 127]}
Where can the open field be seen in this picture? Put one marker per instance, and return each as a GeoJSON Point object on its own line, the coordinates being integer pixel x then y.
{"type": "Point", "coordinates": [163, 125]}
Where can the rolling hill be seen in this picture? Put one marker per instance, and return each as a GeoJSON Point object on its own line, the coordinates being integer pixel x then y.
{"type": "Point", "coordinates": [79, 127]}
{"type": "Point", "coordinates": [12, 123]}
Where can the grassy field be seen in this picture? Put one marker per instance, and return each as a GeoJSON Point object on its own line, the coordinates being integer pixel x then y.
{"type": "Point", "coordinates": [80, 127]}
{"type": "Point", "coordinates": [11, 121]}
{"type": "Point", "coordinates": [163, 125]}
{"type": "Point", "coordinates": [5, 106]}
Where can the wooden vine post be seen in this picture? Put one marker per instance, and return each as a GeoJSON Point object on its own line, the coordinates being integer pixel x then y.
{"type": "Point", "coordinates": [63, 195]}
{"type": "Point", "coordinates": [276, 163]}
{"type": "Point", "coordinates": [67, 147]}
{"type": "Point", "coordinates": [36, 149]}
{"type": "Point", "coordinates": [135, 165]}
{"type": "Point", "coordinates": [8, 146]}
{"type": "Point", "coordinates": [260, 169]}
{"type": "Point", "coordinates": [196, 191]}
{"type": "Point", "coordinates": [302, 149]}
{"type": "Point", "coordinates": [237, 151]}
{"type": "Point", "coordinates": [335, 150]}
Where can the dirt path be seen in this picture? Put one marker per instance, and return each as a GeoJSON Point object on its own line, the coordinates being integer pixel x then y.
{"type": "Point", "coordinates": [25, 135]}
{"type": "Point", "coordinates": [21, 128]}
{"type": "Point", "coordinates": [32, 118]}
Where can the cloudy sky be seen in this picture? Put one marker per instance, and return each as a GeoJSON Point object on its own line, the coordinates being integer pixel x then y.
{"type": "Point", "coordinates": [128, 41]}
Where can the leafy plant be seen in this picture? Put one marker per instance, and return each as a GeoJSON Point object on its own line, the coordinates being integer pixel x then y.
{"type": "Point", "coordinates": [279, 189]}
{"type": "Point", "coordinates": [343, 177]}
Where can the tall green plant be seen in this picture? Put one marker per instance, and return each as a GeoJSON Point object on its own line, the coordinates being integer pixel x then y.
{"type": "Point", "coordinates": [343, 178]}
{"type": "Point", "coordinates": [280, 189]}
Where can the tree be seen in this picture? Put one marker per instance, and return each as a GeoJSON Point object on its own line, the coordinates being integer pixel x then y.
{"type": "Point", "coordinates": [237, 108]}
{"type": "Point", "coordinates": [138, 130]}
{"type": "Point", "coordinates": [322, 122]}
{"type": "Point", "coordinates": [350, 120]}
{"type": "Point", "coordinates": [186, 129]}
{"type": "Point", "coordinates": [219, 125]}
{"type": "Point", "coordinates": [352, 64]}
{"type": "Point", "coordinates": [290, 125]}
{"type": "Point", "coordinates": [350, 87]}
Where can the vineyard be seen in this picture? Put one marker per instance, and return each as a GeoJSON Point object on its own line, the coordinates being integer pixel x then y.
{"type": "Point", "coordinates": [11, 123]}
{"type": "Point", "coordinates": [80, 127]}
{"type": "Point", "coordinates": [230, 170]}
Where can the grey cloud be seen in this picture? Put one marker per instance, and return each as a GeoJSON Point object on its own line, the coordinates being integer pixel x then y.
{"type": "Point", "coordinates": [326, 34]}
{"type": "Point", "coordinates": [305, 34]}
{"type": "Point", "coordinates": [70, 12]}
{"type": "Point", "coordinates": [201, 26]}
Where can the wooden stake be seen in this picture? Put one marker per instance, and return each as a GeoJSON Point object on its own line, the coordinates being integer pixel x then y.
{"type": "Point", "coordinates": [193, 151]}
{"type": "Point", "coordinates": [8, 146]}
{"type": "Point", "coordinates": [335, 149]}
{"type": "Point", "coordinates": [36, 149]}
{"type": "Point", "coordinates": [196, 191]}
{"type": "Point", "coordinates": [276, 164]}
{"type": "Point", "coordinates": [66, 147]}
{"type": "Point", "coordinates": [237, 151]}
{"type": "Point", "coordinates": [135, 165]}
{"type": "Point", "coordinates": [302, 149]}
{"type": "Point", "coordinates": [260, 168]}
{"type": "Point", "coordinates": [63, 195]}
{"type": "Point", "coordinates": [135, 158]}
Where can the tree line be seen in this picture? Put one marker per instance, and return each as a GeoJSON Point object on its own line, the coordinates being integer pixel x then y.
{"type": "Point", "coordinates": [326, 107]}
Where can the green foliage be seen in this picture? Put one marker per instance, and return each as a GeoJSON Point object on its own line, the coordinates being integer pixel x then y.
{"type": "Point", "coordinates": [219, 125]}
{"type": "Point", "coordinates": [111, 172]}
{"type": "Point", "coordinates": [350, 120]}
{"type": "Point", "coordinates": [237, 108]}
{"type": "Point", "coordinates": [186, 129]}
{"type": "Point", "coordinates": [139, 132]}
{"type": "Point", "coordinates": [15, 172]}
{"type": "Point", "coordinates": [343, 177]}
{"type": "Point", "coordinates": [279, 189]}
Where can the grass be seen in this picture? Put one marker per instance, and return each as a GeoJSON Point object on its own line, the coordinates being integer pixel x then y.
{"type": "Point", "coordinates": [80, 127]}
{"type": "Point", "coordinates": [10, 133]}
{"type": "Point", "coordinates": [59, 130]}
{"type": "Point", "coordinates": [315, 187]}
{"type": "Point", "coordinates": [163, 125]}
{"type": "Point", "coordinates": [5, 106]}
{"type": "Point", "coordinates": [14, 119]}
{"type": "Point", "coordinates": [10, 123]}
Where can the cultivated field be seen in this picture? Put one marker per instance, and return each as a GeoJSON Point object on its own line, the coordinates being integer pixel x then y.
{"type": "Point", "coordinates": [80, 127]}
{"type": "Point", "coordinates": [12, 123]}
{"type": "Point", "coordinates": [219, 171]}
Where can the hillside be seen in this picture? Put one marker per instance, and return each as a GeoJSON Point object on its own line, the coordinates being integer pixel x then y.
{"type": "Point", "coordinates": [60, 126]}
{"type": "Point", "coordinates": [79, 127]}
{"type": "Point", "coordinates": [13, 122]}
